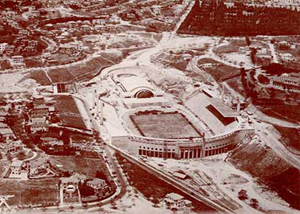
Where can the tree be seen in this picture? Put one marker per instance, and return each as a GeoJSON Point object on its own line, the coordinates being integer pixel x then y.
{"type": "Point", "coordinates": [9, 157]}
{"type": "Point", "coordinates": [248, 41]}
{"type": "Point", "coordinates": [6, 65]}
{"type": "Point", "coordinates": [254, 203]}
{"type": "Point", "coordinates": [86, 190]}
{"type": "Point", "coordinates": [243, 194]}
{"type": "Point", "coordinates": [66, 138]}
{"type": "Point", "coordinates": [21, 155]}
{"type": "Point", "coordinates": [101, 175]}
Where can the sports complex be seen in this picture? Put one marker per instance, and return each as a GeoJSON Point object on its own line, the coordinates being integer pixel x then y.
{"type": "Point", "coordinates": [157, 126]}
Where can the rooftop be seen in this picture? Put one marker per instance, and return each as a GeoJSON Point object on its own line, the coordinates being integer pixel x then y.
{"type": "Point", "coordinates": [133, 83]}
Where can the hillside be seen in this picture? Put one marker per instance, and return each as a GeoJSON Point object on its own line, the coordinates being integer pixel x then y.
{"type": "Point", "coordinates": [261, 162]}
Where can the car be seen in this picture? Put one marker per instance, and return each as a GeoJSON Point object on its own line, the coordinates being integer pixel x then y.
{"type": "Point", "coordinates": [249, 112]}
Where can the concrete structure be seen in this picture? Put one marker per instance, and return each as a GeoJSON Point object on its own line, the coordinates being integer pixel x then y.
{"type": "Point", "coordinates": [217, 128]}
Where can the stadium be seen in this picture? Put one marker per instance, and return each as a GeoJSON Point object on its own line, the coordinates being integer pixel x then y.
{"type": "Point", "coordinates": [157, 126]}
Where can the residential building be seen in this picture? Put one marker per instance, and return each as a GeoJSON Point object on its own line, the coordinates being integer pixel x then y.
{"type": "Point", "coordinates": [17, 61]}
{"type": "Point", "coordinates": [2, 47]}
{"type": "Point", "coordinates": [97, 184]}
{"type": "Point", "coordinates": [175, 200]}
{"type": "Point", "coordinates": [6, 132]}
{"type": "Point", "coordinates": [50, 141]}
{"type": "Point", "coordinates": [287, 57]}
{"type": "Point", "coordinates": [12, 146]}
{"type": "Point", "coordinates": [16, 167]}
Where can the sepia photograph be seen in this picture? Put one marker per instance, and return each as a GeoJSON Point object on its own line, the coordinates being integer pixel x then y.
{"type": "Point", "coordinates": [150, 106]}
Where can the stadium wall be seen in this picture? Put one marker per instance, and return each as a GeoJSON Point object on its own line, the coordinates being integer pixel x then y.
{"type": "Point", "coordinates": [182, 148]}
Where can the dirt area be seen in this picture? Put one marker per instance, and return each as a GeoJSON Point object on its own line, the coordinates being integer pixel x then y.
{"type": "Point", "coordinates": [221, 181]}
{"type": "Point", "coordinates": [80, 72]}
{"type": "Point", "coordinates": [32, 192]}
{"type": "Point", "coordinates": [270, 169]}
{"type": "Point", "coordinates": [237, 85]}
{"type": "Point", "coordinates": [221, 71]}
{"type": "Point", "coordinates": [69, 112]}
{"type": "Point", "coordinates": [39, 76]}
{"type": "Point", "coordinates": [290, 137]}
{"type": "Point", "coordinates": [151, 187]}
{"type": "Point", "coordinates": [86, 166]}
{"type": "Point", "coordinates": [60, 75]}
{"type": "Point", "coordinates": [285, 112]}
{"type": "Point", "coordinates": [232, 46]}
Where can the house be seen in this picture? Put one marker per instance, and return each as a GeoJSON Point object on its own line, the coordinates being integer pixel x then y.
{"type": "Point", "coordinates": [70, 181]}
{"type": "Point", "coordinates": [80, 177]}
{"type": "Point", "coordinates": [24, 32]}
{"type": "Point", "coordinates": [39, 127]}
{"type": "Point", "coordinates": [12, 146]}
{"type": "Point", "coordinates": [39, 112]}
{"type": "Point", "coordinates": [287, 57]}
{"type": "Point", "coordinates": [9, 49]}
{"type": "Point", "coordinates": [38, 120]}
{"type": "Point", "coordinates": [70, 187]}
{"type": "Point", "coordinates": [50, 141]}
{"type": "Point", "coordinates": [32, 43]}
{"type": "Point", "coordinates": [16, 167]}
{"type": "Point", "coordinates": [17, 61]}
{"type": "Point", "coordinates": [3, 115]}
{"type": "Point", "coordinates": [175, 200]}
{"type": "Point", "coordinates": [38, 124]}
{"type": "Point", "coordinates": [97, 184]}
{"type": "Point", "coordinates": [6, 132]}
{"type": "Point", "coordinates": [17, 171]}
{"type": "Point", "coordinates": [100, 187]}
{"type": "Point", "coordinates": [2, 47]}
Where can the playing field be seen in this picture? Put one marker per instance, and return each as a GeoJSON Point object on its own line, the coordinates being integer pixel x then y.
{"type": "Point", "coordinates": [171, 125]}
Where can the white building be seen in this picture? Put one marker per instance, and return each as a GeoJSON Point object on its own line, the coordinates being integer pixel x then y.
{"type": "Point", "coordinates": [2, 47]}
{"type": "Point", "coordinates": [175, 200]}
{"type": "Point", "coordinates": [287, 57]}
{"type": "Point", "coordinates": [17, 61]}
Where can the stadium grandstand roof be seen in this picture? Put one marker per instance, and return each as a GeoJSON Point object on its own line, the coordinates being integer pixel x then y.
{"type": "Point", "coordinates": [222, 108]}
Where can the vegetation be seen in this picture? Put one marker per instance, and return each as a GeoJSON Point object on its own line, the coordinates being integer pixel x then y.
{"type": "Point", "coordinates": [243, 195]}
{"type": "Point", "coordinates": [21, 155]}
{"type": "Point", "coordinates": [289, 136]}
{"type": "Point", "coordinates": [227, 22]}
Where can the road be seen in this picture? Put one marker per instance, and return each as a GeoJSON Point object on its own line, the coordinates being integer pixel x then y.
{"type": "Point", "coordinates": [174, 182]}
